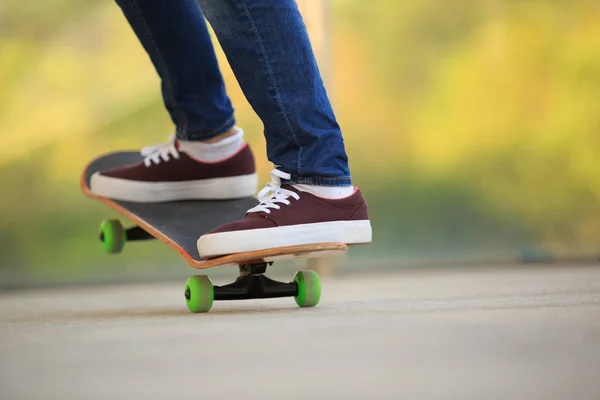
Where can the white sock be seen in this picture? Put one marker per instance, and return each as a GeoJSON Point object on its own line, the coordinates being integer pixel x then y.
{"type": "Point", "coordinates": [211, 152]}
{"type": "Point", "coordinates": [327, 192]}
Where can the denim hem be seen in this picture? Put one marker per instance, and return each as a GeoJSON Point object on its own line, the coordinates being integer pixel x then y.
{"type": "Point", "coordinates": [183, 135]}
{"type": "Point", "coordinates": [320, 181]}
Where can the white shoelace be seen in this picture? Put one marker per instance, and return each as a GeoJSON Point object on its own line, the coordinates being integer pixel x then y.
{"type": "Point", "coordinates": [272, 194]}
{"type": "Point", "coordinates": [157, 152]}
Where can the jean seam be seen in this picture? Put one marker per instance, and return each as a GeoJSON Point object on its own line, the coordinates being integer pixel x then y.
{"type": "Point", "coordinates": [163, 65]}
{"type": "Point", "coordinates": [320, 180]}
{"type": "Point", "coordinates": [272, 78]}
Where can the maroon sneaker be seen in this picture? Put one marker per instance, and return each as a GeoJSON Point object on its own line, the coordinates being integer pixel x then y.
{"type": "Point", "coordinates": [287, 216]}
{"type": "Point", "coordinates": [167, 173]}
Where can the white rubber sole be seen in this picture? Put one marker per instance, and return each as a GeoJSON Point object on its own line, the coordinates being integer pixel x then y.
{"type": "Point", "coordinates": [156, 192]}
{"type": "Point", "coordinates": [222, 243]}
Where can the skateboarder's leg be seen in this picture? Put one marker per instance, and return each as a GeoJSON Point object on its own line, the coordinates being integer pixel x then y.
{"type": "Point", "coordinates": [268, 48]}
{"type": "Point", "coordinates": [310, 198]}
{"type": "Point", "coordinates": [210, 159]}
{"type": "Point", "coordinates": [176, 38]}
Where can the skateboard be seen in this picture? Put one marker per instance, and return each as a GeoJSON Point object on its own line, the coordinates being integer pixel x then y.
{"type": "Point", "coordinates": [179, 224]}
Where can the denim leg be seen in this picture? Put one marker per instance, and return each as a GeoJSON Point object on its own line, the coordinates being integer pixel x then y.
{"type": "Point", "coordinates": [268, 48]}
{"type": "Point", "coordinates": [175, 36]}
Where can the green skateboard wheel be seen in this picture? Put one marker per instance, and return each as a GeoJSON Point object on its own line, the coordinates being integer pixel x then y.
{"type": "Point", "coordinates": [199, 294]}
{"type": "Point", "coordinates": [112, 235]}
{"type": "Point", "coordinates": [309, 288]}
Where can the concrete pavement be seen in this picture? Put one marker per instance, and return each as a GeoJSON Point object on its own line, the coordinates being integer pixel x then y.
{"type": "Point", "coordinates": [490, 333]}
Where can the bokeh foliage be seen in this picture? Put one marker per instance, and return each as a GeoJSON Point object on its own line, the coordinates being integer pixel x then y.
{"type": "Point", "coordinates": [473, 126]}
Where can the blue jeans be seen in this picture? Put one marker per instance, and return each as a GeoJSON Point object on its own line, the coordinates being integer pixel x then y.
{"type": "Point", "coordinates": [267, 46]}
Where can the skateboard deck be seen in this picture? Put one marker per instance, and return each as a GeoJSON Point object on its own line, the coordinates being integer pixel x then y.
{"type": "Point", "coordinates": [179, 224]}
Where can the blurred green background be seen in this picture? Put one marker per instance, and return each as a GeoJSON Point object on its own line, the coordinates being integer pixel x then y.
{"type": "Point", "coordinates": [472, 126]}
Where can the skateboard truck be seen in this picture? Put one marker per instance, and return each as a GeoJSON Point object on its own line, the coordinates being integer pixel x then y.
{"type": "Point", "coordinates": [132, 234]}
{"type": "Point", "coordinates": [253, 284]}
